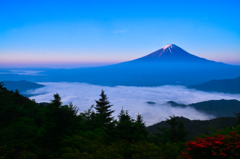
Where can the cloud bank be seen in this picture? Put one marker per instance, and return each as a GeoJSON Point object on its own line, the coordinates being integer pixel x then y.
{"type": "Point", "coordinates": [26, 72]}
{"type": "Point", "coordinates": [133, 99]}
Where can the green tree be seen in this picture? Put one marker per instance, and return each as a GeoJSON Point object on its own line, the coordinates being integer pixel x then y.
{"type": "Point", "coordinates": [130, 129]}
{"type": "Point", "coordinates": [57, 100]}
{"type": "Point", "coordinates": [176, 132]}
{"type": "Point", "coordinates": [1, 85]}
{"type": "Point", "coordinates": [238, 118]}
{"type": "Point", "coordinates": [140, 128]}
{"type": "Point", "coordinates": [103, 111]}
{"type": "Point", "coordinates": [60, 121]}
{"type": "Point", "coordinates": [125, 126]}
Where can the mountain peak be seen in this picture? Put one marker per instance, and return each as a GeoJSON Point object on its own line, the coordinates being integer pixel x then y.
{"type": "Point", "coordinates": [170, 52]}
{"type": "Point", "coordinates": [169, 46]}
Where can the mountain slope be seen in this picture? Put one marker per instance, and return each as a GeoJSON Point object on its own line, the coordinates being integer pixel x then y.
{"type": "Point", "coordinates": [171, 53]}
{"type": "Point", "coordinates": [225, 86]}
{"type": "Point", "coordinates": [170, 65]}
{"type": "Point", "coordinates": [21, 86]}
{"type": "Point", "coordinates": [197, 127]}
{"type": "Point", "coordinates": [218, 108]}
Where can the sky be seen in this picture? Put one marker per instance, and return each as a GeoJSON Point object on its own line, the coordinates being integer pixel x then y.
{"type": "Point", "coordinates": [70, 34]}
{"type": "Point", "coordinates": [133, 99]}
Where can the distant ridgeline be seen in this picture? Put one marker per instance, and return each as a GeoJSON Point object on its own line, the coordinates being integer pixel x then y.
{"type": "Point", "coordinates": [21, 86]}
{"type": "Point", "coordinates": [225, 86]}
{"type": "Point", "coordinates": [197, 127]}
{"type": "Point", "coordinates": [218, 108]}
{"type": "Point", "coordinates": [170, 65]}
{"type": "Point", "coordinates": [224, 110]}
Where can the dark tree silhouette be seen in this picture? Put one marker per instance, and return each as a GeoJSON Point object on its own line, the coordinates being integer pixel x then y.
{"type": "Point", "coordinates": [130, 129]}
{"type": "Point", "coordinates": [238, 118]}
{"type": "Point", "coordinates": [57, 100]}
{"type": "Point", "coordinates": [140, 130]}
{"type": "Point", "coordinates": [1, 84]}
{"type": "Point", "coordinates": [125, 126]}
{"type": "Point", "coordinates": [176, 132]}
{"type": "Point", "coordinates": [103, 110]}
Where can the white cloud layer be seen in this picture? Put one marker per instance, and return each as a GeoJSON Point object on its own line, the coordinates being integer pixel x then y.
{"type": "Point", "coordinates": [26, 72]}
{"type": "Point", "coordinates": [132, 98]}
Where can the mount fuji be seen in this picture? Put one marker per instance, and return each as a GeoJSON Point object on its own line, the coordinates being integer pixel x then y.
{"type": "Point", "coordinates": [170, 65]}
{"type": "Point", "coordinates": [171, 53]}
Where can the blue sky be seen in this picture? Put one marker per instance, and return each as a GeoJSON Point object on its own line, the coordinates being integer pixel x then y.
{"type": "Point", "coordinates": [71, 34]}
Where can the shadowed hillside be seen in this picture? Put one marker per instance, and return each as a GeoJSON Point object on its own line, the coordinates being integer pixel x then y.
{"type": "Point", "coordinates": [21, 86]}
{"type": "Point", "coordinates": [197, 127]}
{"type": "Point", "coordinates": [218, 108]}
{"type": "Point", "coordinates": [225, 86]}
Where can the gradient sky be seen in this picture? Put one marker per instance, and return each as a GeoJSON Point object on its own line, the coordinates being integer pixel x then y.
{"type": "Point", "coordinates": [67, 34]}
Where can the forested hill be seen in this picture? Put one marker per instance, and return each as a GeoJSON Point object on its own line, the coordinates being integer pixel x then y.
{"type": "Point", "coordinates": [197, 127]}
{"type": "Point", "coordinates": [218, 108]}
{"type": "Point", "coordinates": [32, 130]}
{"type": "Point", "coordinates": [29, 130]}
{"type": "Point", "coordinates": [21, 86]}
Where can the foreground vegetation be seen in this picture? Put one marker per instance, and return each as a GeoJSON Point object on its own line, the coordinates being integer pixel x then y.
{"type": "Point", "coordinates": [32, 130]}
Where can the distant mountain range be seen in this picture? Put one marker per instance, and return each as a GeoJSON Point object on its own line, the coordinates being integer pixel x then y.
{"type": "Point", "coordinates": [225, 86]}
{"type": "Point", "coordinates": [197, 127]}
{"type": "Point", "coordinates": [170, 65]}
{"type": "Point", "coordinates": [218, 108]}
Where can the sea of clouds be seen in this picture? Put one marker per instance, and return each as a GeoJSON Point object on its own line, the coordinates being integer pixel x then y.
{"type": "Point", "coordinates": [133, 99]}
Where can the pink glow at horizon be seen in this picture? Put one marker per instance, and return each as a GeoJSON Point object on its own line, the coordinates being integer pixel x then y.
{"type": "Point", "coordinates": [75, 64]}
{"type": "Point", "coordinates": [54, 64]}
{"type": "Point", "coordinates": [74, 59]}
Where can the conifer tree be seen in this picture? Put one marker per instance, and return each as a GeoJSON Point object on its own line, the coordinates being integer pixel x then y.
{"type": "Point", "coordinates": [140, 128]}
{"type": "Point", "coordinates": [125, 126]}
{"type": "Point", "coordinates": [103, 110]}
{"type": "Point", "coordinates": [238, 118]}
{"type": "Point", "coordinates": [57, 100]}
{"type": "Point", "coordinates": [176, 132]}
{"type": "Point", "coordinates": [1, 85]}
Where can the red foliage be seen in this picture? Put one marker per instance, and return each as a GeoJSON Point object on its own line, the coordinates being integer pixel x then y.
{"type": "Point", "coordinates": [219, 147]}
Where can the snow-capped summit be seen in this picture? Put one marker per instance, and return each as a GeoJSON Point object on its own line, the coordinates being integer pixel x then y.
{"type": "Point", "coordinates": [169, 46]}
{"type": "Point", "coordinates": [169, 53]}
